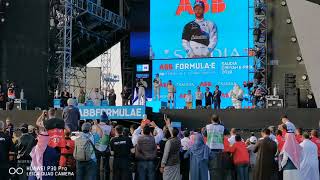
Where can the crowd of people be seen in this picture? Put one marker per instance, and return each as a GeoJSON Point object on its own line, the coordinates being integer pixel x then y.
{"type": "Point", "coordinates": [63, 148]}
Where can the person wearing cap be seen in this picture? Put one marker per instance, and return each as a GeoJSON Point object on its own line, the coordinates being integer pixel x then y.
{"type": "Point", "coordinates": [87, 169]}
{"type": "Point", "coordinates": [199, 37]}
{"type": "Point", "coordinates": [156, 87]}
{"type": "Point", "coordinates": [252, 142]}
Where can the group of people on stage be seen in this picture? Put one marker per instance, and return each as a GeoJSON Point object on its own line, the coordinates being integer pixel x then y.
{"type": "Point", "coordinates": [210, 98]}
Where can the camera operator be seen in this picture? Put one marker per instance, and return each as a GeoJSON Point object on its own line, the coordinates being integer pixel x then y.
{"type": "Point", "coordinates": [259, 94]}
{"type": "Point", "coordinates": [11, 95]}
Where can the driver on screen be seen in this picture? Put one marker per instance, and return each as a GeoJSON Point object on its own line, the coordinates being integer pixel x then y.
{"type": "Point", "coordinates": [199, 37]}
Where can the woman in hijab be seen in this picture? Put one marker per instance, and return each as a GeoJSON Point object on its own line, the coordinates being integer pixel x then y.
{"type": "Point", "coordinates": [290, 158]}
{"type": "Point", "coordinates": [43, 156]}
{"type": "Point", "coordinates": [199, 154]}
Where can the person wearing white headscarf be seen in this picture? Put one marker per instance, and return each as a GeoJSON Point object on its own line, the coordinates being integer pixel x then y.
{"type": "Point", "coordinates": [290, 158]}
{"type": "Point", "coordinates": [236, 95]}
{"type": "Point", "coordinates": [309, 166]}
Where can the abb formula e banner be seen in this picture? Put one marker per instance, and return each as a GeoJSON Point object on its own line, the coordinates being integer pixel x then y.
{"type": "Point", "coordinates": [113, 112]}
{"type": "Point", "coordinates": [188, 74]}
{"type": "Point", "coordinates": [200, 28]}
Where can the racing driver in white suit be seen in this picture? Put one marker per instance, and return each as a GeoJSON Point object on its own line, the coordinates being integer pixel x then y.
{"type": "Point", "coordinates": [199, 37]}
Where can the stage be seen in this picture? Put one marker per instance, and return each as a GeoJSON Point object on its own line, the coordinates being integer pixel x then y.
{"type": "Point", "coordinates": [245, 119]}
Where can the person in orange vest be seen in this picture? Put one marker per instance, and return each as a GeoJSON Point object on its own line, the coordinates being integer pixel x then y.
{"type": "Point", "coordinates": [66, 158]}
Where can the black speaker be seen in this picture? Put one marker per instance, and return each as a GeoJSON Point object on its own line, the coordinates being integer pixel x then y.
{"type": "Point", "coordinates": [315, 1]}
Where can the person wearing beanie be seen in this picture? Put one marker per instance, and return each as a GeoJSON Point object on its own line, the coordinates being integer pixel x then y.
{"type": "Point", "coordinates": [103, 129]}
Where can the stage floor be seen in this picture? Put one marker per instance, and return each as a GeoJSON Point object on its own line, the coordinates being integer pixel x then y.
{"type": "Point", "coordinates": [246, 119]}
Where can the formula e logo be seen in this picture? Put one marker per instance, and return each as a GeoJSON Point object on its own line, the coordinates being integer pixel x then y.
{"type": "Point", "coordinates": [217, 6]}
{"type": "Point", "coordinates": [13, 171]}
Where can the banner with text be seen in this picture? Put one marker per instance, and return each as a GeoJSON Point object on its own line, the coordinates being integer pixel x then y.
{"type": "Point", "coordinates": [113, 112]}
{"type": "Point", "coordinates": [187, 74]}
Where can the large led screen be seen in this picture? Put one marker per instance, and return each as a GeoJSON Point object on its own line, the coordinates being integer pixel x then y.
{"type": "Point", "coordinates": [175, 32]}
{"type": "Point", "coordinates": [187, 74]}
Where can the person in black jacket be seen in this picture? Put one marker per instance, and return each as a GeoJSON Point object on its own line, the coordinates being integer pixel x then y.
{"type": "Point", "coordinates": [6, 146]}
{"type": "Point", "coordinates": [217, 98]}
{"type": "Point", "coordinates": [208, 98]}
{"type": "Point", "coordinates": [23, 147]}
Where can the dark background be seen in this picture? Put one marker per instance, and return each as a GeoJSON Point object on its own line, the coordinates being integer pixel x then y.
{"type": "Point", "coordinates": [23, 49]}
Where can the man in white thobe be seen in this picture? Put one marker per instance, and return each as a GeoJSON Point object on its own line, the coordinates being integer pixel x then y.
{"type": "Point", "coordinates": [96, 97]}
{"type": "Point", "coordinates": [309, 166]}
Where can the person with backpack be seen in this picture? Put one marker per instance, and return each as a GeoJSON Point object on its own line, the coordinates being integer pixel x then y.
{"type": "Point", "coordinates": [84, 154]}
{"type": "Point", "coordinates": [102, 146]}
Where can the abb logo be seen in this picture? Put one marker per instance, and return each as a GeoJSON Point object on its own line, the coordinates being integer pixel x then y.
{"type": "Point", "coordinates": [163, 84]}
{"type": "Point", "coordinates": [225, 95]}
{"type": "Point", "coordinates": [205, 84]}
{"type": "Point", "coordinates": [217, 6]}
{"type": "Point", "coordinates": [166, 67]}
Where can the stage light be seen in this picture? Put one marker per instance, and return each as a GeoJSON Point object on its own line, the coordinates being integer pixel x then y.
{"type": "Point", "coordinates": [310, 96]}
{"type": "Point", "coordinates": [7, 4]}
{"type": "Point", "coordinates": [299, 58]}
{"type": "Point", "coordinates": [293, 39]}
{"type": "Point", "coordinates": [283, 3]}
{"type": "Point", "coordinates": [2, 19]}
{"type": "Point", "coordinates": [288, 21]}
{"type": "Point", "coordinates": [304, 77]}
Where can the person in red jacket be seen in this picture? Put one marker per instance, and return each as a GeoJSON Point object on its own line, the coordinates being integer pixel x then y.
{"type": "Point", "coordinates": [280, 139]}
{"type": "Point", "coordinates": [66, 158]}
{"type": "Point", "coordinates": [299, 135]}
{"type": "Point", "coordinates": [240, 158]}
{"type": "Point", "coordinates": [315, 139]}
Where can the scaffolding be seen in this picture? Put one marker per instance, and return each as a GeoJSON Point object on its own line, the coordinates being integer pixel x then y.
{"type": "Point", "coordinates": [108, 80]}
{"type": "Point", "coordinates": [260, 58]}
{"type": "Point", "coordinates": [62, 75]}
{"type": "Point", "coordinates": [260, 64]}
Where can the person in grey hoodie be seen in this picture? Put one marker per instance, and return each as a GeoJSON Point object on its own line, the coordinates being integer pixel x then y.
{"type": "Point", "coordinates": [146, 153]}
